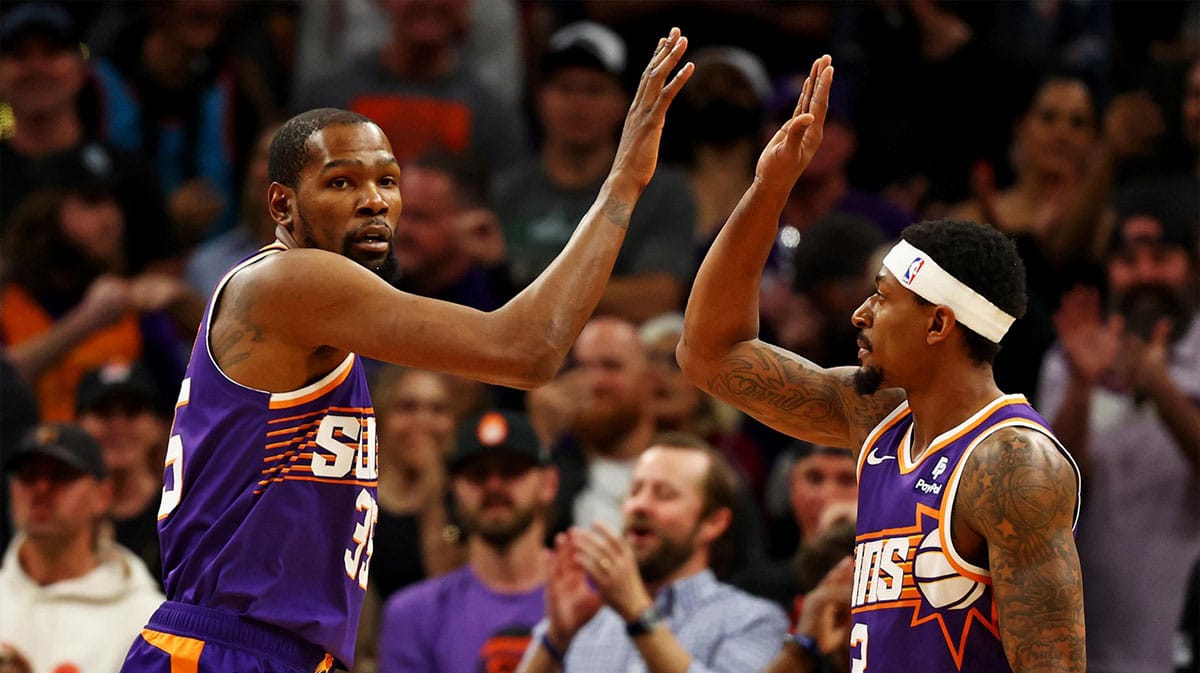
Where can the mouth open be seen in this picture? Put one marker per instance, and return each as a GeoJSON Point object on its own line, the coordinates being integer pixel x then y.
{"type": "Point", "coordinates": [373, 239]}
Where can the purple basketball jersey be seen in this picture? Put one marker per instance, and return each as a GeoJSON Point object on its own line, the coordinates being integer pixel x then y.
{"type": "Point", "coordinates": [917, 605]}
{"type": "Point", "coordinates": [268, 506]}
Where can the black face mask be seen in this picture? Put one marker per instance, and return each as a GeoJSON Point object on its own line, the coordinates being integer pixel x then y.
{"type": "Point", "coordinates": [722, 123]}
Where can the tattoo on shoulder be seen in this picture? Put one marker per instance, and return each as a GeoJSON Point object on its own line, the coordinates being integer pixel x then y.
{"type": "Point", "coordinates": [1021, 496]}
{"type": "Point", "coordinates": [233, 345]}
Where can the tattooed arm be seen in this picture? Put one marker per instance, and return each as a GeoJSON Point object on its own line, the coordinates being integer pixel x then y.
{"type": "Point", "coordinates": [1019, 495]}
{"type": "Point", "coordinates": [719, 350]}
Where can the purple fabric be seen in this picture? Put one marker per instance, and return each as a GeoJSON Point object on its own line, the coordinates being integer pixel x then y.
{"type": "Point", "coordinates": [455, 624]}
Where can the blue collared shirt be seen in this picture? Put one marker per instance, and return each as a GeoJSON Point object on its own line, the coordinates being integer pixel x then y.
{"type": "Point", "coordinates": [724, 629]}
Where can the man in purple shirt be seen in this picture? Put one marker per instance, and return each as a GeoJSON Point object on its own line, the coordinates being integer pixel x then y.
{"type": "Point", "coordinates": [479, 617]}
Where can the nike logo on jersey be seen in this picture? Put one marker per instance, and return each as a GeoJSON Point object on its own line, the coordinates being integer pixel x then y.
{"type": "Point", "coordinates": [876, 459]}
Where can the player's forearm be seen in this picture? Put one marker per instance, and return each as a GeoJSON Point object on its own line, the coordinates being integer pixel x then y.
{"type": "Point", "coordinates": [554, 308]}
{"type": "Point", "coordinates": [723, 307]}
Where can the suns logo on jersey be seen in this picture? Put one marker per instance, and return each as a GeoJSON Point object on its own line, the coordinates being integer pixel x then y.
{"type": "Point", "coordinates": [908, 568]}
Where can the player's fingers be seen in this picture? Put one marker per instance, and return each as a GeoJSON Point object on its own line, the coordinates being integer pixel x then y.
{"type": "Point", "coordinates": [819, 105]}
{"type": "Point", "coordinates": [802, 99]}
{"type": "Point", "coordinates": [673, 87]}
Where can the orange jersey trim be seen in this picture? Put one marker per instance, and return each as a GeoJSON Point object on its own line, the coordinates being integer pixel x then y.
{"type": "Point", "coordinates": [185, 652]}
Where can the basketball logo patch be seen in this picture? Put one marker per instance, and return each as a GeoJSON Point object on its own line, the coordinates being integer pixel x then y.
{"type": "Point", "coordinates": [938, 581]}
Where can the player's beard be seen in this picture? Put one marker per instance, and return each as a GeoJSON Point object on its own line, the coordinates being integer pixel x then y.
{"type": "Point", "coordinates": [385, 269]}
{"type": "Point", "coordinates": [868, 380]}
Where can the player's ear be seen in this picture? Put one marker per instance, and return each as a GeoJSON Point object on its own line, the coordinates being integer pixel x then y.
{"type": "Point", "coordinates": [280, 204]}
{"type": "Point", "coordinates": [940, 321]}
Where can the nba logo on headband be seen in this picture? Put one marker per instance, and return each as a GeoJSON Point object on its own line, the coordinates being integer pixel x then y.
{"type": "Point", "coordinates": [910, 274]}
{"type": "Point", "coordinates": [937, 286]}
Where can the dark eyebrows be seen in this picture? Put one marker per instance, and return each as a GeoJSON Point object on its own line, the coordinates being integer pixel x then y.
{"type": "Point", "coordinates": [343, 163]}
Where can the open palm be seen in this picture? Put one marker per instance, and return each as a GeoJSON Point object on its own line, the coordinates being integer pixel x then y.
{"type": "Point", "coordinates": [796, 142]}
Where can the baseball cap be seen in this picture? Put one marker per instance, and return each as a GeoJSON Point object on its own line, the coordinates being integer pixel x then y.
{"type": "Point", "coordinates": [63, 442]}
{"type": "Point", "coordinates": [748, 66]}
{"type": "Point", "coordinates": [130, 381]}
{"type": "Point", "coordinates": [496, 432]}
{"type": "Point", "coordinates": [48, 19]}
{"type": "Point", "coordinates": [585, 44]}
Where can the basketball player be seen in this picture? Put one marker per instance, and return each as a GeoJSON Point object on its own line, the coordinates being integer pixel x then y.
{"type": "Point", "coordinates": [965, 558]}
{"type": "Point", "coordinates": [269, 501]}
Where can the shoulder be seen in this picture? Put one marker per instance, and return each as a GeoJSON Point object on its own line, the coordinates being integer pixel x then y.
{"type": "Point", "coordinates": [1019, 479]}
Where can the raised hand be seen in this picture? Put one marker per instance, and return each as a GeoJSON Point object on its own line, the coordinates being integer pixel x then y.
{"type": "Point", "coordinates": [637, 152]}
{"type": "Point", "coordinates": [570, 602]}
{"type": "Point", "coordinates": [796, 142]}
{"type": "Point", "coordinates": [608, 560]}
{"type": "Point", "coordinates": [1090, 343]}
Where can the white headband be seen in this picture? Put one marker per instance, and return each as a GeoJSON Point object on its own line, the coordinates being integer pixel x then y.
{"type": "Point", "coordinates": [917, 271]}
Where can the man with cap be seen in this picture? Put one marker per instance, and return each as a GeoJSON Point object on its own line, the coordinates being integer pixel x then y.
{"type": "Point", "coordinates": [580, 103]}
{"type": "Point", "coordinates": [965, 551]}
{"type": "Point", "coordinates": [479, 617]}
{"type": "Point", "coordinates": [1123, 389]}
{"type": "Point", "coordinates": [73, 600]}
{"type": "Point", "coordinates": [121, 408]}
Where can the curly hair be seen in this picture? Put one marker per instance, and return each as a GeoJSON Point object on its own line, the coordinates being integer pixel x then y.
{"type": "Point", "coordinates": [289, 148]}
{"type": "Point", "coordinates": [984, 259]}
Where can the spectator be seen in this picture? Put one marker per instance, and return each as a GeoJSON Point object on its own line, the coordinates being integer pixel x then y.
{"type": "Point", "coordinates": [171, 95]}
{"type": "Point", "coordinates": [69, 307]}
{"type": "Point", "coordinates": [418, 91]}
{"type": "Point", "coordinates": [479, 617]}
{"type": "Point", "coordinates": [597, 416]}
{"type": "Point", "coordinates": [647, 597]}
{"type": "Point", "coordinates": [72, 600]}
{"type": "Point", "coordinates": [445, 207]}
{"type": "Point", "coordinates": [55, 138]}
{"type": "Point", "coordinates": [822, 490]}
{"type": "Point", "coordinates": [580, 104]}
{"type": "Point", "coordinates": [1122, 387]}
{"type": "Point", "coordinates": [415, 537]}
{"type": "Point", "coordinates": [18, 413]}
{"type": "Point", "coordinates": [121, 408]}
{"type": "Point", "coordinates": [679, 406]}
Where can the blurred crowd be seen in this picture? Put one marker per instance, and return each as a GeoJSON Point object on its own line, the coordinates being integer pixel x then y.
{"type": "Point", "coordinates": [133, 152]}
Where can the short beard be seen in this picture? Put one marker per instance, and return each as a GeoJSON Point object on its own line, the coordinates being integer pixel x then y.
{"type": "Point", "coordinates": [603, 430]}
{"type": "Point", "coordinates": [868, 380]}
{"type": "Point", "coordinates": [669, 557]}
{"type": "Point", "coordinates": [499, 534]}
{"type": "Point", "coordinates": [387, 270]}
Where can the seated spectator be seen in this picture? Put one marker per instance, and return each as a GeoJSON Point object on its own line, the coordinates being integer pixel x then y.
{"type": "Point", "coordinates": [479, 617]}
{"type": "Point", "coordinates": [1122, 388]}
{"type": "Point", "coordinates": [581, 102]}
{"type": "Point", "coordinates": [646, 597]}
{"type": "Point", "coordinates": [73, 601]}
{"type": "Point", "coordinates": [54, 139]}
{"type": "Point", "coordinates": [122, 409]}
{"type": "Point", "coordinates": [69, 307]}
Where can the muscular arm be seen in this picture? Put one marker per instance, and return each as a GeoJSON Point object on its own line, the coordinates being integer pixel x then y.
{"type": "Point", "coordinates": [720, 351]}
{"type": "Point", "coordinates": [308, 307]}
{"type": "Point", "coordinates": [1019, 494]}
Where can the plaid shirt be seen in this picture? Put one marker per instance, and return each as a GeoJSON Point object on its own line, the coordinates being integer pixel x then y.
{"type": "Point", "coordinates": [724, 629]}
